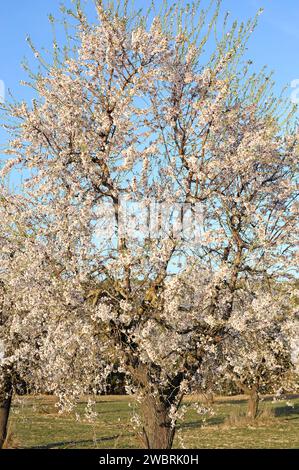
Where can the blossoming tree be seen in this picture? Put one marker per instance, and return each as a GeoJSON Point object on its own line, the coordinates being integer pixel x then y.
{"type": "Point", "coordinates": [136, 113]}
{"type": "Point", "coordinates": [256, 356]}
{"type": "Point", "coordinates": [37, 349]}
{"type": "Point", "coordinates": [15, 232]}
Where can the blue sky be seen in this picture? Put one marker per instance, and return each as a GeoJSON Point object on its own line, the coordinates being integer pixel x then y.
{"type": "Point", "coordinates": [275, 42]}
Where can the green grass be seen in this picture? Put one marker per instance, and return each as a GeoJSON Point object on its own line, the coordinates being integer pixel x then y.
{"type": "Point", "coordinates": [35, 423]}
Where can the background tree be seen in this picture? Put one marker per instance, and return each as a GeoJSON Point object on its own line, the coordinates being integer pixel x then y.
{"type": "Point", "coordinates": [14, 230]}
{"type": "Point", "coordinates": [257, 355]}
{"type": "Point", "coordinates": [133, 112]}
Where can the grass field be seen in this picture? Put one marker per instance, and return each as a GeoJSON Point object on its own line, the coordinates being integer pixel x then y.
{"type": "Point", "coordinates": [35, 423]}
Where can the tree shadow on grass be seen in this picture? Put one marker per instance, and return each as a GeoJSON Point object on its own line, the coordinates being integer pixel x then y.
{"type": "Point", "coordinates": [244, 400]}
{"type": "Point", "coordinates": [100, 402]}
{"type": "Point", "coordinates": [54, 445]}
{"type": "Point", "coordinates": [240, 401]}
{"type": "Point", "coordinates": [287, 410]}
{"type": "Point", "coordinates": [214, 421]}
{"type": "Point", "coordinates": [118, 411]}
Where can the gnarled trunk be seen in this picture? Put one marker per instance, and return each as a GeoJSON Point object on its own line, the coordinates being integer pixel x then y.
{"type": "Point", "coordinates": [5, 404]}
{"type": "Point", "coordinates": [158, 430]}
{"type": "Point", "coordinates": [253, 404]}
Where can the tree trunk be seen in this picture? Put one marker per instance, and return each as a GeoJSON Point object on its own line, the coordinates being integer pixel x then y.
{"type": "Point", "coordinates": [158, 430]}
{"type": "Point", "coordinates": [253, 404]}
{"type": "Point", "coordinates": [210, 398]}
{"type": "Point", "coordinates": [5, 403]}
{"type": "Point", "coordinates": [253, 399]}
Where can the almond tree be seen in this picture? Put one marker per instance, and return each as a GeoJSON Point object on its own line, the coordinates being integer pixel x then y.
{"type": "Point", "coordinates": [37, 348]}
{"type": "Point", "coordinates": [257, 353]}
{"type": "Point", "coordinates": [14, 230]}
{"type": "Point", "coordinates": [135, 113]}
